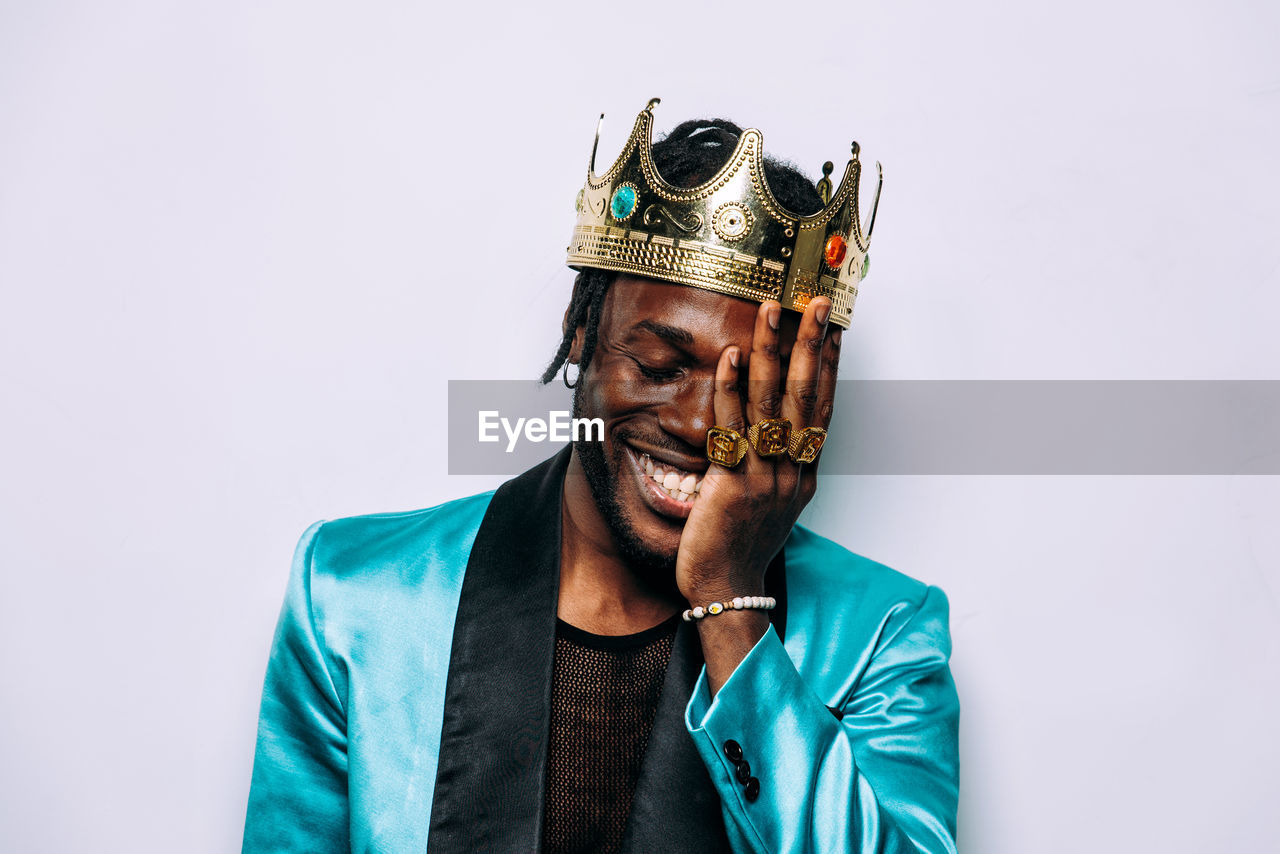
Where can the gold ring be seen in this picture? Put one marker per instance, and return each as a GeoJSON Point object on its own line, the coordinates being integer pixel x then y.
{"type": "Point", "coordinates": [805, 444]}
{"type": "Point", "coordinates": [725, 447]}
{"type": "Point", "coordinates": [770, 437]}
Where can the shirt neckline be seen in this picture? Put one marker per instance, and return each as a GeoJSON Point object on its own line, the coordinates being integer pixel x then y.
{"type": "Point", "coordinates": [615, 643]}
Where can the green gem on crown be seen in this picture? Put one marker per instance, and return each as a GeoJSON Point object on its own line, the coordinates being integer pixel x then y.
{"type": "Point", "coordinates": [866, 265]}
{"type": "Point", "coordinates": [623, 202]}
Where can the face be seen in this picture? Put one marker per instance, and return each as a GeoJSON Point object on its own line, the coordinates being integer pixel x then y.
{"type": "Point", "coordinates": [651, 381]}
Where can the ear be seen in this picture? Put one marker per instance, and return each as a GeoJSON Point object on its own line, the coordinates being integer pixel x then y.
{"type": "Point", "coordinates": [575, 349]}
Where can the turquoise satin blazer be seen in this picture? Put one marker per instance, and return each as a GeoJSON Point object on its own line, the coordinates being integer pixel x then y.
{"type": "Point", "coordinates": [407, 697]}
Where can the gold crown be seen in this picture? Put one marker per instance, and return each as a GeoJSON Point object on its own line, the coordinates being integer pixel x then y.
{"type": "Point", "coordinates": [728, 235]}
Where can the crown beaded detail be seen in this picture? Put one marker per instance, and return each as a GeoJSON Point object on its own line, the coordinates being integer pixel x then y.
{"type": "Point", "coordinates": [729, 235]}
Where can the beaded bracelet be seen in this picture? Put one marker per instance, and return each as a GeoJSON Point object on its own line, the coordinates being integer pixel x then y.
{"type": "Point", "coordinates": [739, 603]}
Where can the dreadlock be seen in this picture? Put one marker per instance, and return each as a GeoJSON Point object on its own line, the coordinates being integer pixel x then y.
{"type": "Point", "coordinates": [688, 156]}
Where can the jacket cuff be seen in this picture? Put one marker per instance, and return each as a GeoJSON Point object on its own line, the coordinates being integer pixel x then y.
{"type": "Point", "coordinates": [764, 715]}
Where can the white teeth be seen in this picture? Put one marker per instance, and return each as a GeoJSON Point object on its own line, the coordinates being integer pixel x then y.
{"type": "Point", "coordinates": [677, 484]}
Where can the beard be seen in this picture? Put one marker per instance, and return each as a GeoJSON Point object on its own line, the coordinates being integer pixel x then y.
{"type": "Point", "coordinates": [656, 567]}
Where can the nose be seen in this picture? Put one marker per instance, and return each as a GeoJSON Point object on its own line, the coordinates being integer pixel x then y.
{"type": "Point", "coordinates": [690, 412]}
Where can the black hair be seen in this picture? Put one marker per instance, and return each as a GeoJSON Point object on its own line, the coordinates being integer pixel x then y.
{"type": "Point", "coordinates": [688, 156]}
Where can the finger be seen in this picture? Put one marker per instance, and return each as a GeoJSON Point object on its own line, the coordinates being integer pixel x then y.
{"type": "Point", "coordinates": [764, 368]}
{"type": "Point", "coordinates": [826, 389]}
{"type": "Point", "coordinates": [801, 397]}
{"type": "Point", "coordinates": [826, 403]}
{"type": "Point", "coordinates": [727, 401]}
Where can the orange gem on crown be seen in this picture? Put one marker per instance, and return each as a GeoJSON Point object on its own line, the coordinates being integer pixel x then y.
{"type": "Point", "coordinates": [833, 254]}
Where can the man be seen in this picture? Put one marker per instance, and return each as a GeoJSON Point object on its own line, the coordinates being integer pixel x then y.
{"type": "Point", "coordinates": [632, 647]}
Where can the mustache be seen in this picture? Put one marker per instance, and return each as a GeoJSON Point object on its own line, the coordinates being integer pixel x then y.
{"type": "Point", "coordinates": [660, 440]}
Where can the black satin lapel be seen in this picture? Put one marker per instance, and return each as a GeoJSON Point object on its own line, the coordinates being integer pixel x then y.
{"type": "Point", "coordinates": [675, 807]}
{"type": "Point", "coordinates": [490, 781]}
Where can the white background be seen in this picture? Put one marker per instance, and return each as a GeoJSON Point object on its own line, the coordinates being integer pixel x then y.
{"type": "Point", "coordinates": [244, 245]}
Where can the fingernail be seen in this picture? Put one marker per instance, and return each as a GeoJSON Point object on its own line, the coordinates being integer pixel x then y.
{"type": "Point", "coordinates": [835, 337]}
{"type": "Point", "coordinates": [733, 357]}
{"type": "Point", "coordinates": [822, 312]}
{"type": "Point", "coordinates": [774, 317]}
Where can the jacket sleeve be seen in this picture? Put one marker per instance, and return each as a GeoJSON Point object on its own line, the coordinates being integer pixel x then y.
{"type": "Point", "coordinates": [298, 795]}
{"type": "Point", "coordinates": [880, 776]}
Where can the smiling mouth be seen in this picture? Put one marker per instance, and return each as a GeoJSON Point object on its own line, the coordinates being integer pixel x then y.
{"type": "Point", "coordinates": [666, 480]}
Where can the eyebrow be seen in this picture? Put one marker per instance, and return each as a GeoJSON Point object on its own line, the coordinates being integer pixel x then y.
{"type": "Point", "coordinates": [672, 334]}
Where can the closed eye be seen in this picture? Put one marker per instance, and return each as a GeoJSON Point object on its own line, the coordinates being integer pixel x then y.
{"type": "Point", "coordinates": [657, 374]}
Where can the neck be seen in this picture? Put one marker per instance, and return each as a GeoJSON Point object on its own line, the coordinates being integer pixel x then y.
{"type": "Point", "coordinates": [600, 592]}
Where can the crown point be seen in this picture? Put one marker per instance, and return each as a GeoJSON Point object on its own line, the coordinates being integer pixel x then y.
{"type": "Point", "coordinates": [653, 102]}
{"type": "Point", "coordinates": [855, 148]}
{"type": "Point", "coordinates": [591, 165]}
{"type": "Point", "coordinates": [824, 183]}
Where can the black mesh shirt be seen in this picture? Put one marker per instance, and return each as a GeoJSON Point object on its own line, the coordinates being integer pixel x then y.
{"type": "Point", "coordinates": [604, 695]}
